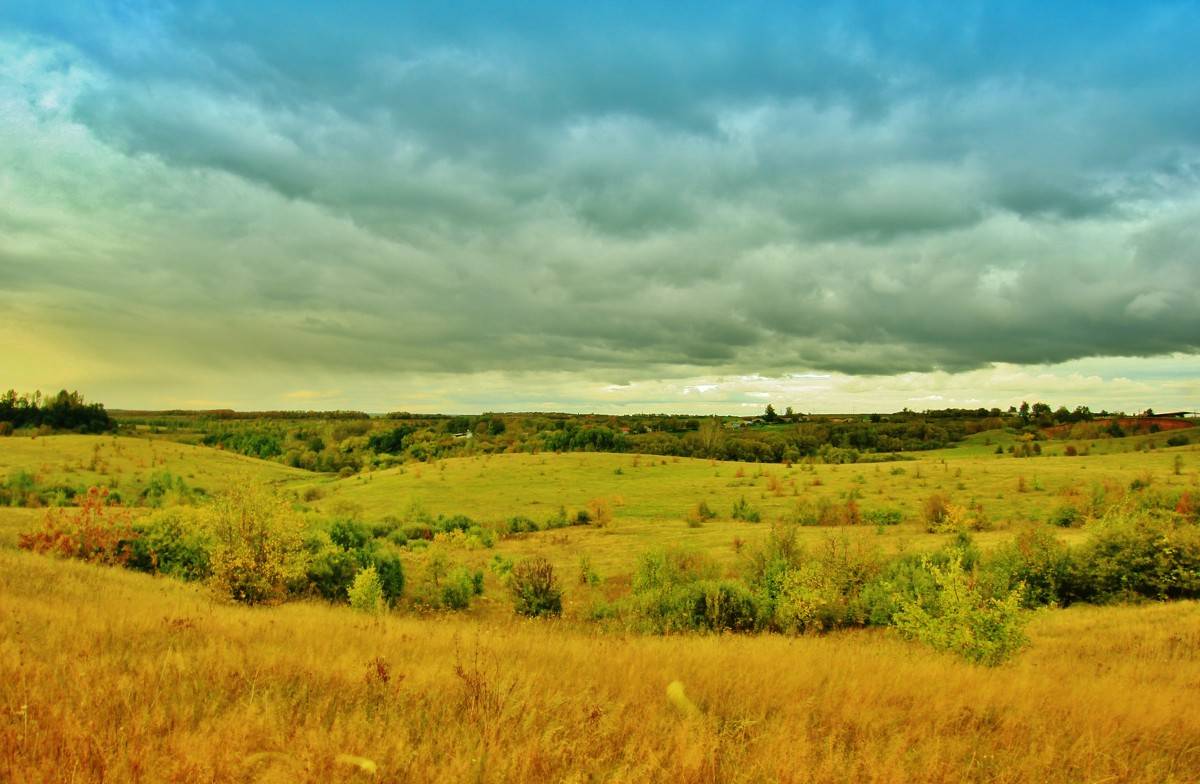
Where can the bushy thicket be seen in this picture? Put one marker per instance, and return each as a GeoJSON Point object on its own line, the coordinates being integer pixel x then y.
{"type": "Point", "coordinates": [339, 552]}
{"type": "Point", "coordinates": [954, 598]}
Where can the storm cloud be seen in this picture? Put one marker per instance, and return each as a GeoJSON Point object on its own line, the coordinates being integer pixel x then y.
{"type": "Point", "coordinates": [623, 195]}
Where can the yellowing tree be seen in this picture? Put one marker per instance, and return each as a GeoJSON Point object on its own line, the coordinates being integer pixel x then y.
{"type": "Point", "coordinates": [258, 544]}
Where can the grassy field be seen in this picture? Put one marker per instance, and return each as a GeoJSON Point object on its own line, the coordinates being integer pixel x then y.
{"type": "Point", "coordinates": [108, 675]}
{"type": "Point", "coordinates": [650, 497]}
{"type": "Point", "coordinates": [113, 676]}
{"type": "Point", "coordinates": [126, 464]}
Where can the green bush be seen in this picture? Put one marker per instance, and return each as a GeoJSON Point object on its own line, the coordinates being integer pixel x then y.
{"type": "Point", "coordinates": [1139, 557]}
{"type": "Point", "coordinates": [957, 617]}
{"type": "Point", "coordinates": [173, 542]}
{"type": "Point", "coordinates": [534, 588]}
{"type": "Point", "coordinates": [906, 579]}
{"type": "Point", "coordinates": [459, 588]}
{"type": "Point", "coordinates": [390, 571]}
{"type": "Point", "coordinates": [1037, 562]}
{"type": "Point", "coordinates": [331, 569]}
{"type": "Point", "coordinates": [743, 511]}
{"type": "Point", "coordinates": [1066, 516]}
{"type": "Point", "coordinates": [821, 591]}
{"type": "Point", "coordinates": [1178, 440]}
{"type": "Point", "coordinates": [454, 523]}
{"type": "Point", "coordinates": [883, 517]}
{"type": "Point", "coordinates": [704, 605]}
{"type": "Point", "coordinates": [520, 525]}
{"type": "Point", "coordinates": [349, 535]}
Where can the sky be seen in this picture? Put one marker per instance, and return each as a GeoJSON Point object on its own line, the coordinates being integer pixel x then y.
{"type": "Point", "coordinates": [699, 208]}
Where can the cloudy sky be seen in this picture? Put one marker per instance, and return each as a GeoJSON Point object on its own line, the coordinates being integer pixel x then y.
{"type": "Point", "coordinates": [464, 207]}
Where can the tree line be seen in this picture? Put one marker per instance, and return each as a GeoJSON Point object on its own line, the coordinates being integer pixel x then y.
{"type": "Point", "coordinates": [64, 411]}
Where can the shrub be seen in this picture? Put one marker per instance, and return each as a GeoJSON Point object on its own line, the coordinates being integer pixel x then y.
{"type": "Point", "coordinates": [459, 588]}
{"type": "Point", "coordinates": [349, 535]}
{"type": "Point", "coordinates": [1178, 440]}
{"type": "Point", "coordinates": [743, 511]}
{"type": "Point", "coordinates": [163, 488]}
{"type": "Point", "coordinates": [959, 618]}
{"type": "Point", "coordinates": [94, 532]}
{"type": "Point", "coordinates": [701, 513]}
{"type": "Point", "coordinates": [883, 516]}
{"type": "Point", "coordinates": [521, 525]}
{"type": "Point", "coordinates": [390, 571]}
{"type": "Point", "coordinates": [455, 523]}
{"type": "Point", "coordinates": [1066, 516]}
{"type": "Point", "coordinates": [20, 489]}
{"type": "Point", "coordinates": [173, 542]}
{"type": "Point", "coordinates": [418, 531]}
{"type": "Point", "coordinates": [704, 605]}
{"type": "Point", "coordinates": [725, 605]}
{"type": "Point", "coordinates": [534, 587]}
{"type": "Point", "coordinates": [1143, 556]}
{"type": "Point", "coordinates": [501, 566]}
{"type": "Point", "coordinates": [479, 536]}
{"type": "Point", "coordinates": [936, 512]}
{"type": "Point", "coordinates": [587, 574]}
{"type": "Point", "coordinates": [1039, 562]}
{"type": "Point", "coordinates": [331, 570]}
{"type": "Point", "coordinates": [366, 594]}
{"type": "Point", "coordinates": [258, 545]}
{"type": "Point", "coordinates": [906, 579]}
{"type": "Point", "coordinates": [821, 591]}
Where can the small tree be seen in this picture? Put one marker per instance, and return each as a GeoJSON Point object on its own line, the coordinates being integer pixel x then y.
{"type": "Point", "coordinates": [258, 546]}
{"type": "Point", "coordinates": [535, 588]}
{"type": "Point", "coordinates": [366, 594]}
{"type": "Point", "coordinates": [960, 619]}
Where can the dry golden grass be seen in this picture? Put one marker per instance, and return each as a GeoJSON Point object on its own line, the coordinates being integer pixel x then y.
{"type": "Point", "coordinates": [115, 676]}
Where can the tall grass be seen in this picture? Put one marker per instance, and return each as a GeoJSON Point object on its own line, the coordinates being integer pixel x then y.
{"type": "Point", "coordinates": [108, 675]}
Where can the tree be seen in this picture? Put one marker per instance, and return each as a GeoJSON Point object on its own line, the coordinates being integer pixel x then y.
{"type": "Point", "coordinates": [770, 414]}
{"type": "Point", "coordinates": [711, 436]}
{"type": "Point", "coordinates": [258, 546]}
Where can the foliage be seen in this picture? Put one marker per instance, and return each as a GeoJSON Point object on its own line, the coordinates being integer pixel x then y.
{"type": "Point", "coordinates": [366, 594]}
{"type": "Point", "coordinates": [799, 592]}
{"type": "Point", "coordinates": [1038, 562]}
{"type": "Point", "coordinates": [174, 542]}
{"type": "Point", "coordinates": [883, 517]}
{"type": "Point", "coordinates": [258, 545]}
{"type": "Point", "coordinates": [1139, 556]}
{"type": "Point", "coordinates": [534, 587]}
{"type": "Point", "coordinates": [94, 532]}
{"type": "Point", "coordinates": [743, 511]}
{"type": "Point", "coordinates": [958, 617]}
{"type": "Point", "coordinates": [164, 488]}
{"type": "Point", "coordinates": [459, 587]}
{"type": "Point", "coordinates": [64, 411]}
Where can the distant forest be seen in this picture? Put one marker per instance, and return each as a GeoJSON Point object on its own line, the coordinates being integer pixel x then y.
{"type": "Point", "coordinates": [347, 442]}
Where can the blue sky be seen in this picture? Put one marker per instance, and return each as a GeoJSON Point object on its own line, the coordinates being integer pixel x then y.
{"type": "Point", "coordinates": [637, 207]}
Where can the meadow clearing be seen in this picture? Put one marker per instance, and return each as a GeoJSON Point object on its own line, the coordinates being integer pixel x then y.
{"type": "Point", "coordinates": [110, 675]}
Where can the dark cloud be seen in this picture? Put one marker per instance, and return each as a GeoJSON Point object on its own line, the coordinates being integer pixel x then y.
{"type": "Point", "coordinates": [617, 191]}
